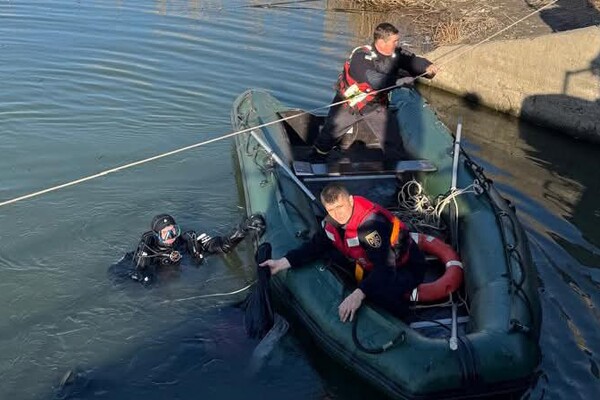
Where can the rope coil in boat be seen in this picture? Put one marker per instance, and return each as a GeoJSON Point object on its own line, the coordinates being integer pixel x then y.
{"type": "Point", "coordinates": [416, 209]}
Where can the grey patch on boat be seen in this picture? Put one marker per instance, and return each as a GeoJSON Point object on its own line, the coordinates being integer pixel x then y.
{"type": "Point", "coordinates": [267, 344]}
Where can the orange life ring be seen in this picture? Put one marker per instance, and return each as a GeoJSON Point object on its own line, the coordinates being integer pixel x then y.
{"type": "Point", "coordinates": [447, 283]}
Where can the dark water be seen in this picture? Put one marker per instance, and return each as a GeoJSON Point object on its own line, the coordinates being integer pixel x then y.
{"type": "Point", "coordinates": [87, 86]}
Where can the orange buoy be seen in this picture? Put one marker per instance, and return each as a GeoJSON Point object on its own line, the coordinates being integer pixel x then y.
{"type": "Point", "coordinates": [447, 283]}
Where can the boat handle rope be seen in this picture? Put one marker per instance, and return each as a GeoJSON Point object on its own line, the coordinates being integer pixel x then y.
{"type": "Point", "coordinates": [233, 134]}
{"type": "Point", "coordinates": [511, 251]}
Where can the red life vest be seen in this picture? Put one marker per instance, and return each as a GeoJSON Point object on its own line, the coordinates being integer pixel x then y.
{"type": "Point", "coordinates": [359, 93]}
{"type": "Point", "coordinates": [350, 246]}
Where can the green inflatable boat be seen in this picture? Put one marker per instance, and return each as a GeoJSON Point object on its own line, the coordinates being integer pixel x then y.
{"type": "Point", "coordinates": [481, 337]}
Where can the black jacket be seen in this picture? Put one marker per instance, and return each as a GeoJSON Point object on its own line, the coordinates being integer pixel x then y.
{"type": "Point", "coordinates": [386, 284]}
{"type": "Point", "coordinates": [382, 71]}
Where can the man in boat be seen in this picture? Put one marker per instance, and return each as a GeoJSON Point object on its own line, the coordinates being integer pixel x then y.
{"type": "Point", "coordinates": [164, 246]}
{"type": "Point", "coordinates": [387, 263]}
{"type": "Point", "coordinates": [370, 68]}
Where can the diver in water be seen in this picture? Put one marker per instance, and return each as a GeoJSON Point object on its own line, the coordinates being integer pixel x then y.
{"type": "Point", "coordinates": [164, 246]}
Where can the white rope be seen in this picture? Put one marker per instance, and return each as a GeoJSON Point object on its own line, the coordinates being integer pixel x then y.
{"type": "Point", "coordinates": [153, 158]}
{"type": "Point", "coordinates": [473, 47]}
{"type": "Point", "coordinates": [206, 296]}
{"type": "Point", "coordinates": [415, 208]}
{"type": "Point", "coordinates": [443, 202]}
{"type": "Point", "coordinates": [232, 134]}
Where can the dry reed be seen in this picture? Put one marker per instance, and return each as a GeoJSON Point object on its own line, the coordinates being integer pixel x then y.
{"type": "Point", "coordinates": [386, 5]}
{"type": "Point", "coordinates": [449, 31]}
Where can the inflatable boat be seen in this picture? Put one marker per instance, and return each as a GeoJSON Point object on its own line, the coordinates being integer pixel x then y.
{"type": "Point", "coordinates": [474, 325]}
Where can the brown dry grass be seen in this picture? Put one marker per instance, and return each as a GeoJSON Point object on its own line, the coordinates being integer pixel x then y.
{"type": "Point", "coordinates": [450, 31]}
{"type": "Point", "coordinates": [435, 18]}
{"type": "Point", "coordinates": [541, 3]}
{"type": "Point", "coordinates": [446, 22]}
{"type": "Point", "coordinates": [386, 5]}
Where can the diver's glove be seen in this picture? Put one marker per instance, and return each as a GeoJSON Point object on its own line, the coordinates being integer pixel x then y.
{"type": "Point", "coordinates": [142, 277]}
{"type": "Point", "coordinates": [254, 222]}
{"type": "Point", "coordinates": [194, 246]}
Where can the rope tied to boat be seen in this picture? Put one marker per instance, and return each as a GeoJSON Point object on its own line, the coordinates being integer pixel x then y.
{"type": "Point", "coordinates": [501, 209]}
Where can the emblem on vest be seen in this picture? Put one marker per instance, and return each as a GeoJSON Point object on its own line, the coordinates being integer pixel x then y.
{"type": "Point", "coordinates": [373, 239]}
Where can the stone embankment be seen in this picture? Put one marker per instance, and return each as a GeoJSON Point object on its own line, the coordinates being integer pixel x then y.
{"type": "Point", "coordinates": [552, 80]}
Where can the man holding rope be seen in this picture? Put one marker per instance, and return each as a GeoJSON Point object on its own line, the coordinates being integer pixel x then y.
{"type": "Point", "coordinates": [368, 69]}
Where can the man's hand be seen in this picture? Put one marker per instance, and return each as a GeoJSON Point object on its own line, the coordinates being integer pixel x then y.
{"type": "Point", "coordinates": [276, 265]}
{"type": "Point", "coordinates": [431, 71]}
{"type": "Point", "coordinates": [348, 307]}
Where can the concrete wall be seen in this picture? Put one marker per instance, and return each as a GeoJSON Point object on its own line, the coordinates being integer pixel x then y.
{"type": "Point", "coordinates": [552, 80]}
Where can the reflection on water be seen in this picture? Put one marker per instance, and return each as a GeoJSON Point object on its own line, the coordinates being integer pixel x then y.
{"type": "Point", "coordinates": [89, 86]}
{"type": "Point", "coordinates": [554, 182]}
{"type": "Point", "coordinates": [556, 173]}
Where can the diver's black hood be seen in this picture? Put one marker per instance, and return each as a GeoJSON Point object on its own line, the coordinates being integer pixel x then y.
{"type": "Point", "coordinates": [161, 221]}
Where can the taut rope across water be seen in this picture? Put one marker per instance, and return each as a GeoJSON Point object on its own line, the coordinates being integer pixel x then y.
{"type": "Point", "coordinates": [232, 134]}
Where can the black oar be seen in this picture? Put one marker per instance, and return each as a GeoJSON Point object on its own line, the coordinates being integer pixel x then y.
{"type": "Point", "coordinates": [259, 317]}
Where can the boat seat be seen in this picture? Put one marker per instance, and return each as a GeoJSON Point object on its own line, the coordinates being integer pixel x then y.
{"type": "Point", "coordinates": [347, 170]}
{"type": "Point", "coordinates": [304, 129]}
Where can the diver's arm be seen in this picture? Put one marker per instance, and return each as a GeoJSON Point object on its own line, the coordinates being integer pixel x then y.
{"type": "Point", "coordinates": [143, 260]}
{"type": "Point", "coordinates": [224, 244]}
{"type": "Point", "coordinates": [143, 254]}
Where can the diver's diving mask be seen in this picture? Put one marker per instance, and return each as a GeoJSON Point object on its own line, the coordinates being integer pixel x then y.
{"type": "Point", "coordinates": [169, 233]}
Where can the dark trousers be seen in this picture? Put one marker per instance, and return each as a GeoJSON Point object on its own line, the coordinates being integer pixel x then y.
{"type": "Point", "coordinates": [378, 117]}
{"type": "Point", "coordinates": [394, 290]}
